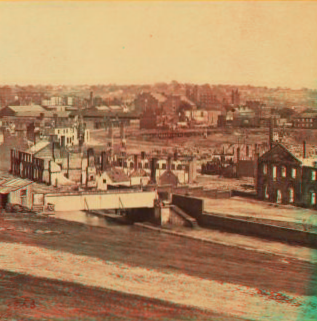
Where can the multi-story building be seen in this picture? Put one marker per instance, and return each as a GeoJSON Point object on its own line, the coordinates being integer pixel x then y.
{"type": "Point", "coordinates": [149, 101]}
{"type": "Point", "coordinates": [305, 121]}
{"type": "Point", "coordinates": [285, 179]}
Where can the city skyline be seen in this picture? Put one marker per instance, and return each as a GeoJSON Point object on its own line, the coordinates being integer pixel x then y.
{"type": "Point", "coordinates": [236, 43]}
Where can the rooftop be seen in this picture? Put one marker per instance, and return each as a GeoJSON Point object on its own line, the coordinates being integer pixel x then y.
{"type": "Point", "coordinates": [8, 185]}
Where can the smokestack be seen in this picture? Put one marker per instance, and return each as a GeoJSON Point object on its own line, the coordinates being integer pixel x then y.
{"type": "Point", "coordinates": [91, 157]}
{"type": "Point", "coordinates": [192, 170]}
{"type": "Point", "coordinates": [271, 133]}
{"type": "Point", "coordinates": [135, 162]}
{"type": "Point", "coordinates": [91, 99]}
{"type": "Point", "coordinates": [169, 163]}
{"type": "Point", "coordinates": [153, 170]}
{"type": "Point", "coordinates": [304, 149]}
{"type": "Point", "coordinates": [122, 130]}
{"type": "Point", "coordinates": [104, 161]}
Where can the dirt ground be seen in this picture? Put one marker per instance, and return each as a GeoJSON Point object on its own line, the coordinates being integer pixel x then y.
{"type": "Point", "coordinates": [85, 255]}
{"type": "Point", "coordinates": [248, 209]}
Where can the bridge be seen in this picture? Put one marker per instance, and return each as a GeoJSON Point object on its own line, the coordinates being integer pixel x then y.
{"type": "Point", "coordinates": [78, 201]}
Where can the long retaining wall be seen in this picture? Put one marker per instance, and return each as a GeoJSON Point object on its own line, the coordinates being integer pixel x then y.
{"type": "Point", "coordinates": [190, 205]}
{"type": "Point", "coordinates": [97, 201]}
{"type": "Point", "coordinates": [259, 230]}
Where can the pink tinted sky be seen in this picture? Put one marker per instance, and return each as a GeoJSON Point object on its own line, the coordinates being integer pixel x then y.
{"type": "Point", "coordinates": [258, 43]}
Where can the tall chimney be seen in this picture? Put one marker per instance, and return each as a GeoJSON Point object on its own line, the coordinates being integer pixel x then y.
{"type": "Point", "coordinates": [104, 161]}
{"type": "Point", "coordinates": [91, 99]}
{"type": "Point", "coordinates": [304, 149]}
{"type": "Point", "coordinates": [135, 161]}
{"type": "Point", "coordinates": [169, 163]}
{"type": "Point", "coordinates": [91, 157]}
{"type": "Point", "coordinates": [271, 133]}
{"type": "Point", "coordinates": [153, 170]}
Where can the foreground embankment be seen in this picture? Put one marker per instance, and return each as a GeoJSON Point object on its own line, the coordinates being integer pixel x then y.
{"type": "Point", "coordinates": [150, 276]}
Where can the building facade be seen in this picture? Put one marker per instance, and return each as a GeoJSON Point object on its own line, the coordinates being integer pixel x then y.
{"type": "Point", "coordinates": [285, 179]}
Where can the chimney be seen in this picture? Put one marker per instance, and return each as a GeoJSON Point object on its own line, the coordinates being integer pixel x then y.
{"type": "Point", "coordinates": [91, 99]}
{"type": "Point", "coordinates": [169, 163]}
{"type": "Point", "coordinates": [192, 170]}
{"type": "Point", "coordinates": [153, 170]}
{"type": "Point", "coordinates": [271, 133]}
{"type": "Point", "coordinates": [104, 161]}
{"type": "Point", "coordinates": [135, 162]}
{"type": "Point", "coordinates": [91, 157]}
{"type": "Point", "coordinates": [304, 149]}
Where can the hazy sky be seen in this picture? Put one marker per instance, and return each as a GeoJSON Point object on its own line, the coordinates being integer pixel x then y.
{"type": "Point", "coordinates": [258, 43]}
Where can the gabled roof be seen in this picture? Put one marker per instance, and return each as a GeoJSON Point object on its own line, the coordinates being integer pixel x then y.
{"type": "Point", "coordinates": [37, 147]}
{"type": "Point", "coordinates": [8, 185]}
{"type": "Point", "coordinates": [117, 175]}
{"type": "Point", "coordinates": [139, 173]}
{"type": "Point", "coordinates": [159, 97]}
{"type": "Point", "coordinates": [274, 151]}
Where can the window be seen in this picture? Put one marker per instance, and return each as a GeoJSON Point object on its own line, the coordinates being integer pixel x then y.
{"type": "Point", "coordinates": [283, 171]}
{"type": "Point", "coordinates": [164, 166]}
{"type": "Point", "coordinates": [293, 172]}
{"type": "Point", "coordinates": [247, 151]}
{"type": "Point", "coordinates": [91, 177]}
{"type": "Point", "coordinates": [146, 165]}
{"type": "Point", "coordinates": [264, 168]}
{"type": "Point", "coordinates": [179, 167]}
{"type": "Point", "coordinates": [125, 165]}
{"type": "Point", "coordinates": [313, 175]}
{"type": "Point", "coordinates": [173, 167]}
{"type": "Point", "coordinates": [140, 165]}
{"type": "Point", "coordinates": [105, 181]}
{"type": "Point", "coordinates": [274, 172]}
{"type": "Point", "coordinates": [131, 165]}
{"type": "Point", "coordinates": [157, 166]}
{"type": "Point", "coordinates": [291, 194]}
{"type": "Point", "coordinates": [23, 192]}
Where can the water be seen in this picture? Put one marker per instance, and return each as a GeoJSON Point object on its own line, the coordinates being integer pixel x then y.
{"type": "Point", "coordinates": [83, 217]}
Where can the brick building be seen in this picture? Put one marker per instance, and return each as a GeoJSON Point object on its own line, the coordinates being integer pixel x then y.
{"type": "Point", "coordinates": [286, 179]}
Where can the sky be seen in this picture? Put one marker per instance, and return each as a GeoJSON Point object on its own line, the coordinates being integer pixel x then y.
{"type": "Point", "coordinates": [239, 43]}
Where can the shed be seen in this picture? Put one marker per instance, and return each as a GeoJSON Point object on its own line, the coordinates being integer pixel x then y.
{"type": "Point", "coordinates": [15, 191]}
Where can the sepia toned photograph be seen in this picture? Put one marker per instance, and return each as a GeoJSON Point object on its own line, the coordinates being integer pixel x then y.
{"type": "Point", "coordinates": [158, 160]}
